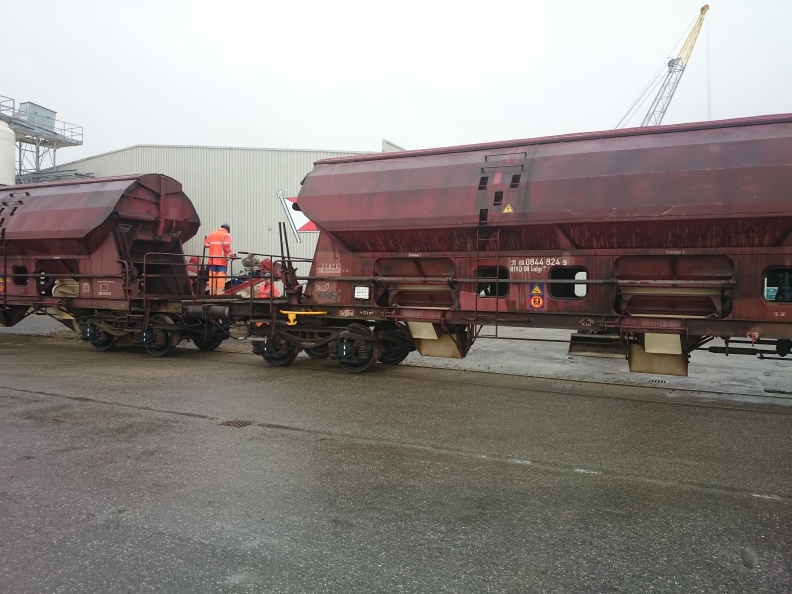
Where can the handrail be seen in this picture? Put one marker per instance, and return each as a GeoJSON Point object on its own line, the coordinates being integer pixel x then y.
{"type": "Point", "coordinates": [682, 283]}
{"type": "Point", "coordinates": [37, 123]}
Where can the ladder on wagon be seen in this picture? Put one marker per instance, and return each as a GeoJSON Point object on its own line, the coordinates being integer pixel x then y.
{"type": "Point", "coordinates": [491, 284]}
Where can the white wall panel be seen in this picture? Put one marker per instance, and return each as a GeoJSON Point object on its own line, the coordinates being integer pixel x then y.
{"type": "Point", "coordinates": [238, 186]}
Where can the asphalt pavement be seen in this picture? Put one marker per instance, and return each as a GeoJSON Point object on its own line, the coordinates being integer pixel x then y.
{"type": "Point", "coordinates": [213, 472]}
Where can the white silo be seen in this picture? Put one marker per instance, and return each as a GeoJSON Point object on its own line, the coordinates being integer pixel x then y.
{"type": "Point", "coordinates": [7, 155]}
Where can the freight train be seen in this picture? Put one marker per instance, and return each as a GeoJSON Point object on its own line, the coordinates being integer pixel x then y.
{"type": "Point", "coordinates": [656, 239]}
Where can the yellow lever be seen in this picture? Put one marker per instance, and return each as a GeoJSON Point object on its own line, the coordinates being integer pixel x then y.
{"type": "Point", "coordinates": [293, 315]}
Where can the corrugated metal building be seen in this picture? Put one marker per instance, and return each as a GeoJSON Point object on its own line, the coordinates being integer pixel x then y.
{"type": "Point", "coordinates": [238, 186]}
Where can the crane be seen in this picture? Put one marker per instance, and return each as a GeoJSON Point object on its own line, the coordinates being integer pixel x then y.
{"type": "Point", "coordinates": [676, 67]}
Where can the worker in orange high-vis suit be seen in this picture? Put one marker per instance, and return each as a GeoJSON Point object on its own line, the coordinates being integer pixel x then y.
{"type": "Point", "coordinates": [219, 244]}
{"type": "Point", "coordinates": [266, 288]}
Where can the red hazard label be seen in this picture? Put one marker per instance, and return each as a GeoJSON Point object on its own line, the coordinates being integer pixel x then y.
{"type": "Point", "coordinates": [537, 301]}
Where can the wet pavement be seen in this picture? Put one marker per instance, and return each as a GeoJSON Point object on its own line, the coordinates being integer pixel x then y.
{"type": "Point", "coordinates": [555, 474]}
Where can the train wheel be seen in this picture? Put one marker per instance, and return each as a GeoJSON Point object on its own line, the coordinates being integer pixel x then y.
{"type": "Point", "coordinates": [162, 341]}
{"type": "Point", "coordinates": [396, 343]}
{"type": "Point", "coordinates": [364, 354]}
{"type": "Point", "coordinates": [208, 344]}
{"type": "Point", "coordinates": [393, 355]}
{"type": "Point", "coordinates": [104, 341]}
{"type": "Point", "coordinates": [284, 354]}
{"type": "Point", "coordinates": [320, 352]}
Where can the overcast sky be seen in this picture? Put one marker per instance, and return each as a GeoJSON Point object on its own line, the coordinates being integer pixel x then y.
{"type": "Point", "coordinates": [344, 74]}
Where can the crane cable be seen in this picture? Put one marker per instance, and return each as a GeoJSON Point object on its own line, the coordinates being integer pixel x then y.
{"type": "Point", "coordinates": [643, 96]}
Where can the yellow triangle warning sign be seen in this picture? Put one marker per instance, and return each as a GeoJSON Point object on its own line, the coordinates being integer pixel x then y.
{"type": "Point", "coordinates": [507, 208]}
{"type": "Point", "coordinates": [537, 290]}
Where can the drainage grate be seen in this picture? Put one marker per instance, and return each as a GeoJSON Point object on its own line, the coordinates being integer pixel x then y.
{"type": "Point", "coordinates": [238, 423]}
{"type": "Point", "coordinates": [657, 381]}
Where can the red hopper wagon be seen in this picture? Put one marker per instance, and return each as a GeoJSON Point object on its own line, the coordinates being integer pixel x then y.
{"type": "Point", "coordinates": [660, 238]}
{"type": "Point", "coordinates": [104, 256]}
